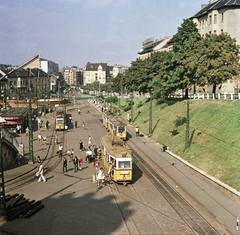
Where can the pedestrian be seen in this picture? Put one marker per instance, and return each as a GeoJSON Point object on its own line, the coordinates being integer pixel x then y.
{"type": "Point", "coordinates": [79, 111]}
{"type": "Point", "coordinates": [101, 176]}
{"type": "Point", "coordinates": [90, 155]}
{"type": "Point", "coordinates": [56, 139]}
{"type": "Point", "coordinates": [75, 124]}
{"type": "Point", "coordinates": [44, 139]}
{"type": "Point", "coordinates": [75, 163]}
{"type": "Point", "coordinates": [95, 151]}
{"type": "Point", "coordinates": [64, 164]}
{"type": "Point", "coordinates": [99, 152]}
{"type": "Point", "coordinates": [47, 124]}
{"type": "Point", "coordinates": [40, 173]}
{"type": "Point", "coordinates": [87, 155]}
{"type": "Point", "coordinates": [60, 148]}
{"type": "Point", "coordinates": [66, 127]}
{"type": "Point", "coordinates": [72, 154]}
{"type": "Point", "coordinates": [89, 141]}
{"type": "Point", "coordinates": [38, 161]}
{"type": "Point", "coordinates": [39, 138]}
{"type": "Point", "coordinates": [80, 163]}
{"type": "Point", "coordinates": [80, 145]}
{"type": "Point", "coordinates": [137, 130]}
{"type": "Point", "coordinates": [53, 116]}
{"type": "Point", "coordinates": [83, 125]}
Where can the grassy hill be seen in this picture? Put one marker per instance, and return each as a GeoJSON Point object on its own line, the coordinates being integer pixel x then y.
{"type": "Point", "coordinates": [214, 132]}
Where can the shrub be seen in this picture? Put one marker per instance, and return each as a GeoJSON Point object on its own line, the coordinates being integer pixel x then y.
{"type": "Point", "coordinates": [174, 132]}
{"type": "Point", "coordinates": [180, 121]}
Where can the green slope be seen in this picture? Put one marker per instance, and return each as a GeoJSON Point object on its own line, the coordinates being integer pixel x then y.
{"type": "Point", "coordinates": [214, 133]}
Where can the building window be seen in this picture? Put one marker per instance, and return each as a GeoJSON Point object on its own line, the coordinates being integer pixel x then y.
{"type": "Point", "coordinates": [215, 32]}
{"type": "Point", "coordinates": [215, 18]}
{"type": "Point", "coordinates": [210, 19]}
{"type": "Point", "coordinates": [222, 18]}
{"type": "Point", "coordinates": [221, 30]}
{"type": "Point", "coordinates": [210, 32]}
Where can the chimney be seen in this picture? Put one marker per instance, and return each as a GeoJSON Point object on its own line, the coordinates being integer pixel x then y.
{"type": "Point", "coordinates": [203, 5]}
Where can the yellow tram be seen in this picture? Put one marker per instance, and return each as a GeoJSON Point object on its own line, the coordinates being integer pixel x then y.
{"type": "Point", "coordinates": [60, 119]}
{"type": "Point", "coordinates": [115, 125]}
{"type": "Point", "coordinates": [117, 158]}
{"type": "Point", "coordinates": [118, 127]}
{"type": "Point", "coordinates": [106, 116]}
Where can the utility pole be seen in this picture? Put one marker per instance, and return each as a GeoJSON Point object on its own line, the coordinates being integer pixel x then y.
{"type": "Point", "coordinates": [187, 144]}
{"type": "Point", "coordinates": [38, 107]}
{"type": "Point", "coordinates": [119, 101]}
{"type": "Point", "coordinates": [132, 107]}
{"type": "Point", "coordinates": [44, 100]}
{"type": "Point", "coordinates": [30, 160]}
{"type": "Point", "coordinates": [59, 92]}
{"type": "Point", "coordinates": [150, 115]}
{"type": "Point", "coordinates": [2, 188]}
{"type": "Point", "coordinates": [48, 93]}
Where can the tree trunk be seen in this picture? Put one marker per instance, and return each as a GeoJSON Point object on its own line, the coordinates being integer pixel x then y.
{"type": "Point", "coordinates": [186, 93]}
{"type": "Point", "coordinates": [214, 89]}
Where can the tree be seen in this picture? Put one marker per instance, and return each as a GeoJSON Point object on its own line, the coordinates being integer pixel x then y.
{"type": "Point", "coordinates": [116, 86]}
{"type": "Point", "coordinates": [214, 60]}
{"type": "Point", "coordinates": [184, 41]}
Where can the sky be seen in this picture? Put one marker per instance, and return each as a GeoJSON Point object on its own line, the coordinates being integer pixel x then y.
{"type": "Point", "coordinates": [74, 32]}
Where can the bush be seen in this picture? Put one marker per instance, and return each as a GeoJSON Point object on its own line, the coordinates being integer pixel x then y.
{"type": "Point", "coordinates": [180, 121]}
{"type": "Point", "coordinates": [114, 99]}
{"type": "Point", "coordinates": [127, 108]}
{"type": "Point", "coordinates": [174, 132]}
{"type": "Point", "coordinates": [139, 104]}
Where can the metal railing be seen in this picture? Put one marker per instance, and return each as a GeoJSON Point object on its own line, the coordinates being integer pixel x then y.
{"type": "Point", "coordinates": [6, 135]}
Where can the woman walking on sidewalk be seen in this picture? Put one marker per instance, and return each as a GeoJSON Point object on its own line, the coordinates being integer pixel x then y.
{"type": "Point", "coordinates": [40, 173]}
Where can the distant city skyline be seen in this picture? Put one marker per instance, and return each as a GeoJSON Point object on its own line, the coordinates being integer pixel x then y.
{"type": "Point", "coordinates": [74, 32]}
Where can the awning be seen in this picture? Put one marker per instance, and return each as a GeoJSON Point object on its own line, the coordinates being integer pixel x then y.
{"type": "Point", "coordinates": [2, 120]}
{"type": "Point", "coordinates": [15, 122]}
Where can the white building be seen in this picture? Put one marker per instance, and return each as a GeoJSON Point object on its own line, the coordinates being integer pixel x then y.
{"type": "Point", "coordinates": [95, 72]}
{"type": "Point", "coordinates": [119, 69]}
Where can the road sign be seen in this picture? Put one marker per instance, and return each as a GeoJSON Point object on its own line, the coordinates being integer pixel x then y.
{"type": "Point", "coordinates": [96, 164]}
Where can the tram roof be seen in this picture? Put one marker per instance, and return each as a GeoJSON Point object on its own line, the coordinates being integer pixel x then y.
{"type": "Point", "coordinates": [117, 121]}
{"type": "Point", "coordinates": [115, 146]}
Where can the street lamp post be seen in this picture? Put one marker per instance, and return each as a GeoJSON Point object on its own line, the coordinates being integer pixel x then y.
{"type": "Point", "coordinates": [2, 188]}
{"type": "Point", "coordinates": [30, 161]}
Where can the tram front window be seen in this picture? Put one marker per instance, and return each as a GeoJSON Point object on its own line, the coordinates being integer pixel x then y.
{"type": "Point", "coordinates": [124, 165]}
{"type": "Point", "coordinates": [59, 121]}
{"type": "Point", "coordinates": [120, 129]}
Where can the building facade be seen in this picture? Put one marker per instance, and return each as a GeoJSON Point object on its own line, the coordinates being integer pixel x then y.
{"type": "Point", "coordinates": [150, 46]}
{"type": "Point", "coordinates": [119, 69]}
{"type": "Point", "coordinates": [72, 76]}
{"type": "Point", "coordinates": [219, 16]}
{"type": "Point", "coordinates": [95, 72]}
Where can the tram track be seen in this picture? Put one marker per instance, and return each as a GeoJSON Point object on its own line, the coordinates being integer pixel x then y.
{"type": "Point", "coordinates": [49, 164]}
{"type": "Point", "coordinates": [190, 216]}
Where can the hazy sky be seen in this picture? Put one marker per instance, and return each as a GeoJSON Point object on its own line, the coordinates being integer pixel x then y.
{"type": "Point", "coordinates": [74, 32]}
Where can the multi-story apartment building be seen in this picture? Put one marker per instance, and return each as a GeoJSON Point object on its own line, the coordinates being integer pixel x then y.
{"type": "Point", "coordinates": [119, 69]}
{"type": "Point", "coordinates": [219, 16]}
{"type": "Point", "coordinates": [95, 72]}
{"type": "Point", "coordinates": [73, 75]}
{"type": "Point", "coordinates": [150, 46]}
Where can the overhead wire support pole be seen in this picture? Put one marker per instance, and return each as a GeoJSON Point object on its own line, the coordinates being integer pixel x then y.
{"type": "Point", "coordinates": [44, 101]}
{"type": "Point", "coordinates": [2, 187]}
{"type": "Point", "coordinates": [38, 107]}
{"type": "Point", "coordinates": [187, 144]}
{"type": "Point", "coordinates": [150, 115]}
{"type": "Point", "coordinates": [132, 108]}
{"type": "Point", "coordinates": [30, 159]}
